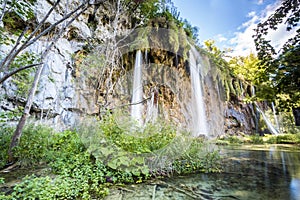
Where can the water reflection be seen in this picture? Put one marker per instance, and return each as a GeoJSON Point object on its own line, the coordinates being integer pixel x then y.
{"type": "Point", "coordinates": [271, 172]}
{"type": "Point", "coordinates": [295, 188]}
{"type": "Point", "coordinates": [250, 172]}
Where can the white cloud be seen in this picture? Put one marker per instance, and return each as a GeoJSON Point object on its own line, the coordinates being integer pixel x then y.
{"type": "Point", "coordinates": [242, 43]}
{"type": "Point", "coordinates": [251, 14]}
{"type": "Point", "coordinates": [260, 2]}
{"type": "Point", "coordinates": [220, 38]}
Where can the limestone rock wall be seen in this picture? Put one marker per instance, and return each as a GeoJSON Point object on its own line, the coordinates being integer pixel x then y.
{"type": "Point", "coordinates": [61, 96]}
{"type": "Point", "coordinates": [64, 95]}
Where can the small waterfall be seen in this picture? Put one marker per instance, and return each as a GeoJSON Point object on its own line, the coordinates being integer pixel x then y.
{"type": "Point", "coordinates": [137, 90]}
{"type": "Point", "coordinates": [199, 121]}
{"type": "Point", "coordinates": [275, 116]}
{"type": "Point", "coordinates": [267, 121]}
{"type": "Point", "coordinates": [269, 124]}
{"type": "Point", "coordinates": [146, 57]}
{"type": "Point", "coordinates": [152, 107]}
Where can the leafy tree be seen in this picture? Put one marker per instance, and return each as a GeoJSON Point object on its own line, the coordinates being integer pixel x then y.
{"type": "Point", "coordinates": [245, 67]}
{"type": "Point", "coordinates": [282, 70]}
{"type": "Point", "coordinates": [217, 55]}
{"type": "Point", "coordinates": [150, 9]}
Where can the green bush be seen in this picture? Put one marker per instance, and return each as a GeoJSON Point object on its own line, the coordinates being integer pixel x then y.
{"type": "Point", "coordinates": [145, 140]}
{"type": "Point", "coordinates": [288, 139]}
{"type": "Point", "coordinates": [256, 139]}
{"type": "Point", "coordinates": [5, 136]}
{"type": "Point", "coordinates": [77, 174]}
{"type": "Point", "coordinates": [198, 158]}
{"type": "Point", "coordinates": [35, 145]}
{"type": "Point", "coordinates": [60, 187]}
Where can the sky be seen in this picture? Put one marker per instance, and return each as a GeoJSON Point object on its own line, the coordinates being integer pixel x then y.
{"type": "Point", "coordinates": [230, 23]}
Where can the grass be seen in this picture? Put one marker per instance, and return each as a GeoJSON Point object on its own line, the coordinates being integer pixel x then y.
{"type": "Point", "coordinates": [266, 139]}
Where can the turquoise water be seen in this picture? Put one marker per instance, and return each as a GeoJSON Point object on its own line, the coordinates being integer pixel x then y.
{"type": "Point", "coordinates": [250, 172]}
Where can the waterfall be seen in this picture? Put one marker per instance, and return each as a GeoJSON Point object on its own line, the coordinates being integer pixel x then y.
{"type": "Point", "coordinates": [267, 121]}
{"type": "Point", "coordinates": [269, 124]}
{"type": "Point", "coordinates": [137, 90]}
{"type": "Point", "coordinates": [146, 57]}
{"type": "Point", "coordinates": [152, 108]}
{"type": "Point", "coordinates": [275, 116]}
{"type": "Point", "coordinates": [199, 121]}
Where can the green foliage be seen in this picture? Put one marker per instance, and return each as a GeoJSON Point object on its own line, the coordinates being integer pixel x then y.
{"type": "Point", "coordinates": [35, 144]}
{"type": "Point", "coordinates": [238, 140]}
{"type": "Point", "coordinates": [190, 30]}
{"type": "Point", "coordinates": [5, 135]}
{"type": "Point", "coordinates": [12, 115]}
{"type": "Point", "coordinates": [222, 72]}
{"type": "Point", "coordinates": [145, 9]}
{"type": "Point", "coordinates": [123, 147]}
{"type": "Point", "coordinates": [16, 12]}
{"type": "Point", "coordinates": [61, 187]}
{"type": "Point", "coordinates": [4, 38]}
{"type": "Point", "coordinates": [216, 55]}
{"type": "Point", "coordinates": [82, 176]}
{"type": "Point", "coordinates": [197, 159]}
{"type": "Point", "coordinates": [234, 140]}
{"type": "Point", "coordinates": [80, 173]}
{"type": "Point", "coordinates": [40, 144]}
{"type": "Point", "coordinates": [2, 181]}
{"type": "Point", "coordinates": [151, 138]}
{"type": "Point", "coordinates": [284, 139]}
{"type": "Point", "coordinates": [245, 68]}
{"type": "Point", "coordinates": [256, 139]}
{"type": "Point", "coordinates": [22, 8]}
{"type": "Point", "coordinates": [282, 67]}
{"type": "Point", "coordinates": [153, 9]}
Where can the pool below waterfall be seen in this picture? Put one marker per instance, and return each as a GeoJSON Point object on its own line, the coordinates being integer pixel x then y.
{"type": "Point", "coordinates": [249, 172]}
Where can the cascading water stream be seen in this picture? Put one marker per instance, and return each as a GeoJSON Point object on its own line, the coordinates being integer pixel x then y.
{"type": "Point", "coordinates": [267, 121]}
{"type": "Point", "coordinates": [152, 108]}
{"type": "Point", "coordinates": [199, 121]}
{"type": "Point", "coordinates": [275, 116]}
{"type": "Point", "coordinates": [137, 90]}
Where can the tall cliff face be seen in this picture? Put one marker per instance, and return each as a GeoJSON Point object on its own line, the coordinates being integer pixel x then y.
{"type": "Point", "coordinates": [62, 96]}
{"type": "Point", "coordinates": [85, 74]}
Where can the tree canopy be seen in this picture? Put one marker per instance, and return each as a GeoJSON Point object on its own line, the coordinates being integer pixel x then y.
{"type": "Point", "coordinates": [281, 67]}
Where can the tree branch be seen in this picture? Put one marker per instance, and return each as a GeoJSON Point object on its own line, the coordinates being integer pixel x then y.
{"type": "Point", "coordinates": [9, 58]}
{"type": "Point", "coordinates": [6, 76]}
{"type": "Point", "coordinates": [14, 52]}
{"type": "Point", "coordinates": [3, 10]}
{"type": "Point", "coordinates": [18, 132]}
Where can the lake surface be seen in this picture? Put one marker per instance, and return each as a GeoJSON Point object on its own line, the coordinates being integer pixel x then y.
{"type": "Point", "coordinates": [250, 172]}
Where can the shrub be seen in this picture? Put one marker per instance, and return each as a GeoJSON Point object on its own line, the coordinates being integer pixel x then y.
{"type": "Point", "coordinates": [35, 145]}
{"type": "Point", "coordinates": [5, 135]}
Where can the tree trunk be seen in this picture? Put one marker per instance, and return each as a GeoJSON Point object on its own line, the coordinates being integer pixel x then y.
{"type": "Point", "coordinates": [16, 138]}
{"type": "Point", "coordinates": [296, 113]}
{"type": "Point", "coordinates": [18, 132]}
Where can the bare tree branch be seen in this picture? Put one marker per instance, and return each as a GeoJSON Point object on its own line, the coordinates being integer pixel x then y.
{"type": "Point", "coordinates": [3, 66]}
{"type": "Point", "coordinates": [14, 52]}
{"type": "Point", "coordinates": [3, 11]}
{"type": "Point", "coordinates": [6, 76]}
